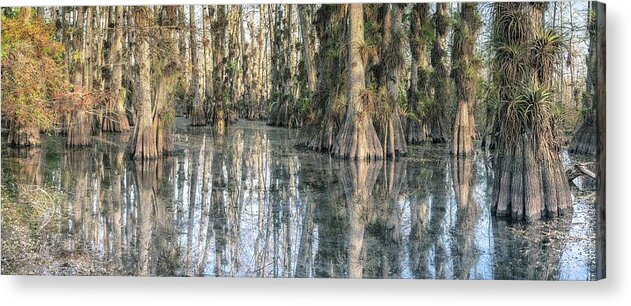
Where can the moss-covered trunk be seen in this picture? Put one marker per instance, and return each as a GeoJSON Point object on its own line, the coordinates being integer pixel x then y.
{"type": "Point", "coordinates": [391, 67]}
{"type": "Point", "coordinates": [418, 92]}
{"type": "Point", "coordinates": [324, 116]}
{"type": "Point", "coordinates": [218, 111]}
{"type": "Point", "coordinates": [166, 73]}
{"type": "Point", "coordinates": [23, 135]}
{"type": "Point", "coordinates": [529, 183]}
{"type": "Point", "coordinates": [585, 136]}
{"type": "Point", "coordinates": [115, 119]}
{"type": "Point", "coordinates": [282, 100]}
{"type": "Point", "coordinates": [144, 139]}
{"type": "Point", "coordinates": [79, 127]}
{"type": "Point", "coordinates": [437, 112]}
{"type": "Point", "coordinates": [357, 138]}
{"type": "Point", "coordinates": [464, 72]}
{"type": "Point", "coordinates": [197, 94]}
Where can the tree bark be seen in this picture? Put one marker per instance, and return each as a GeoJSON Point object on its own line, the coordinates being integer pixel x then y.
{"type": "Point", "coordinates": [438, 107]}
{"type": "Point", "coordinates": [530, 181]}
{"type": "Point", "coordinates": [282, 105]}
{"type": "Point", "coordinates": [144, 139]}
{"type": "Point", "coordinates": [115, 119]}
{"type": "Point", "coordinates": [584, 140]}
{"type": "Point", "coordinates": [391, 64]}
{"type": "Point", "coordinates": [218, 109]}
{"type": "Point", "coordinates": [208, 13]}
{"type": "Point", "coordinates": [184, 43]}
{"type": "Point", "coordinates": [130, 79]}
{"type": "Point", "coordinates": [79, 127]}
{"type": "Point", "coordinates": [357, 138]}
{"type": "Point", "coordinates": [166, 71]}
{"type": "Point", "coordinates": [418, 93]}
{"type": "Point", "coordinates": [323, 121]}
{"type": "Point", "coordinates": [307, 45]}
{"type": "Point", "coordinates": [197, 115]}
{"type": "Point", "coordinates": [23, 135]}
{"type": "Point", "coordinates": [464, 72]}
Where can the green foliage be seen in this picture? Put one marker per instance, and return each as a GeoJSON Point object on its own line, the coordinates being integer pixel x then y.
{"type": "Point", "coordinates": [511, 24]}
{"type": "Point", "coordinates": [232, 67]}
{"type": "Point", "coordinates": [531, 110]}
{"type": "Point", "coordinates": [545, 53]}
{"type": "Point", "coordinates": [509, 63]}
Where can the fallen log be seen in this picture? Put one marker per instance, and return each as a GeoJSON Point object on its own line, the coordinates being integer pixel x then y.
{"type": "Point", "coordinates": [579, 169]}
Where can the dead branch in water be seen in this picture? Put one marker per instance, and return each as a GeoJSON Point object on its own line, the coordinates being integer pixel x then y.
{"type": "Point", "coordinates": [579, 169]}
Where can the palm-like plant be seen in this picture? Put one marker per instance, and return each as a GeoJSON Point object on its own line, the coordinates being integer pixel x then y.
{"type": "Point", "coordinates": [530, 182]}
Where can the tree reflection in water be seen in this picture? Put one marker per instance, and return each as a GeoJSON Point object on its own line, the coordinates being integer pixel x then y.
{"type": "Point", "coordinates": [250, 204]}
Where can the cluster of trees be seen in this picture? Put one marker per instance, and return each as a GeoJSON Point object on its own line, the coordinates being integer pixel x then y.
{"type": "Point", "coordinates": [362, 81]}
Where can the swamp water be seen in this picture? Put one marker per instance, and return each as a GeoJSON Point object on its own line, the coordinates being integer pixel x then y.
{"type": "Point", "coordinates": [250, 204]}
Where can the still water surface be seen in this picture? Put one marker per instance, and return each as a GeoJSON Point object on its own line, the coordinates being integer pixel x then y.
{"type": "Point", "coordinates": [250, 204]}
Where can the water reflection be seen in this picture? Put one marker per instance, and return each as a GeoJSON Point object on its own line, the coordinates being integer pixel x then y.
{"type": "Point", "coordinates": [250, 204]}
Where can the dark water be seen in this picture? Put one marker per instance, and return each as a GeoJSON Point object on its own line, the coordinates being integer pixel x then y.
{"type": "Point", "coordinates": [250, 204]}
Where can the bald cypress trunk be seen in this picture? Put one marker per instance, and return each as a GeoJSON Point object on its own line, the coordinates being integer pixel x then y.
{"type": "Point", "coordinates": [585, 136]}
{"type": "Point", "coordinates": [530, 182]}
{"type": "Point", "coordinates": [23, 135]}
{"type": "Point", "coordinates": [166, 72]}
{"type": "Point", "coordinates": [304, 13]}
{"type": "Point", "coordinates": [217, 113]}
{"type": "Point", "coordinates": [419, 90]}
{"type": "Point", "coordinates": [281, 109]}
{"type": "Point", "coordinates": [323, 123]}
{"type": "Point", "coordinates": [233, 88]}
{"type": "Point", "coordinates": [208, 12]}
{"type": "Point", "coordinates": [464, 72]}
{"type": "Point", "coordinates": [144, 139]}
{"type": "Point", "coordinates": [88, 39]}
{"type": "Point", "coordinates": [391, 66]}
{"type": "Point", "coordinates": [357, 138]}
{"type": "Point", "coordinates": [438, 106]}
{"type": "Point", "coordinates": [130, 78]}
{"type": "Point", "coordinates": [115, 119]}
{"type": "Point", "coordinates": [184, 44]}
{"type": "Point", "coordinates": [197, 60]}
{"type": "Point", "coordinates": [79, 127]}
